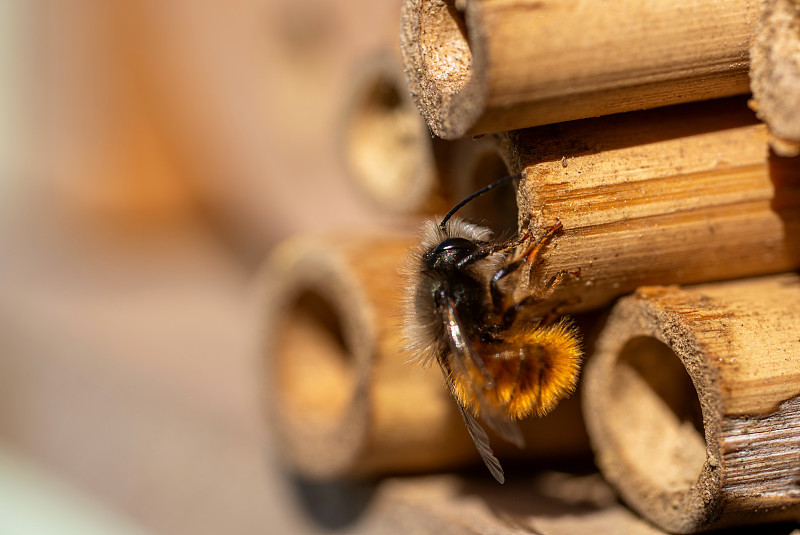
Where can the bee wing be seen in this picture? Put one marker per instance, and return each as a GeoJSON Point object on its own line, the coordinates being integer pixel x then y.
{"type": "Point", "coordinates": [481, 441]}
{"type": "Point", "coordinates": [463, 355]}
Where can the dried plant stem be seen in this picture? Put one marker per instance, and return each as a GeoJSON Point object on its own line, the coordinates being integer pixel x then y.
{"type": "Point", "coordinates": [692, 400]}
{"type": "Point", "coordinates": [677, 195]}
{"type": "Point", "coordinates": [500, 65]}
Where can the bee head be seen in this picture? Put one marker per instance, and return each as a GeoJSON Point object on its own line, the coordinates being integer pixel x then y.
{"type": "Point", "coordinates": [448, 253]}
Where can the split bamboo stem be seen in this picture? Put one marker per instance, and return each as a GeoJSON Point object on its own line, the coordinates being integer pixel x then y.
{"type": "Point", "coordinates": [692, 401]}
{"type": "Point", "coordinates": [775, 73]}
{"type": "Point", "coordinates": [484, 66]}
{"type": "Point", "coordinates": [345, 399]}
{"type": "Point", "coordinates": [684, 194]}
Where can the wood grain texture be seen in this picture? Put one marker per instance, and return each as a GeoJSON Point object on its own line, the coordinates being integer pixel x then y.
{"type": "Point", "coordinates": [683, 194]}
{"type": "Point", "coordinates": [775, 73]}
{"type": "Point", "coordinates": [346, 399]}
{"type": "Point", "coordinates": [692, 400]}
{"type": "Point", "coordinates": [500, 65]}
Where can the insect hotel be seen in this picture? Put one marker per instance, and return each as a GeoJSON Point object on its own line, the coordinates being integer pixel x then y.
{"type": "Point", "coordinates": [647, 244]}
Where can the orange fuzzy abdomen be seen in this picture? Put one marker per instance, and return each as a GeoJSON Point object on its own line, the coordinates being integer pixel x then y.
{"type": "Point", "coordinates": [529, 372]}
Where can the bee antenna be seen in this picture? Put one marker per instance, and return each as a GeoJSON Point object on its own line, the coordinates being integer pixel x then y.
{"type": "Point", "coordinates": [496, 183]}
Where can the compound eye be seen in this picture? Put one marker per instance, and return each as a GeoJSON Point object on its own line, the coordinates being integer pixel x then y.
{"type": "Point", "coordinates": [454, 244]}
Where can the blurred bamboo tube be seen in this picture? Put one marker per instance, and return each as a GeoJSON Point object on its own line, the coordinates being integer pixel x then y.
{"type": "Point", "coordinates": [692, 401]}
{"type": "Point", "coordinates": [344, 398]}
{"type": "Point", "coordinates": [481, 66]}
{"type": "Point", "coordinates": [338, 387]}
{"type": "Point", "coordinates": [386, 147]}
{"type": "Point", "coordinates": [775, 73]}
{"type": "Point", "coordinates": [684, 194]}
{"type": "Point", "coordinates": [393, 159]}
{"type": "Point", "coordinates": [472, 164]}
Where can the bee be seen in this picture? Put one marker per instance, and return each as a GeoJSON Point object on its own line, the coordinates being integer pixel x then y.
{"type": "Point", "coordinates": [473, 307]}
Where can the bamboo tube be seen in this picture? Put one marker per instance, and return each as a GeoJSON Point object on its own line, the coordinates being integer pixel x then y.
{"type": "Point", "coordinates": [471, 164]}
{"type": "Point", "coordinates": [344, 398]}
{"type": "Point", "coordinates": [330, 313]}
{"type": "Point", "coordinates": [775, 73]}
{"type": "Point", "coordinates": [396, 163]}
{"type": "Point", "coordinates": [497, 65]}
{"type": "Point", "coordinates": [386, 146]}
{"type": "Point", "coordinates": [731, 349]}
{"type": "Point", "coordinates": [684, 194]}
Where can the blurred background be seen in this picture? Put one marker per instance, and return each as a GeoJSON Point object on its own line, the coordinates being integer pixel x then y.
{"type": "Point", "coordinates": [151, 154]}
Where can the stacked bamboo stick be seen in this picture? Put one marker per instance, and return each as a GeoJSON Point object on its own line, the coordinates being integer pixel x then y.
{"type": "Point", "coordinates": [691, 392]}
{"type": "Point", "coordinates": [733, 351]}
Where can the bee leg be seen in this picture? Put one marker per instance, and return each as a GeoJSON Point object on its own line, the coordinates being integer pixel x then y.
{"type": "Point", "coordinates": [531, 253]}
{"type": "Point", "coordinates": [555, 281]}
{"type": "Point", "coordinates": [494, 288]}
{"type": "Point", "coordinates": [489, 250]}
{"type": "Point", "coordinates": [510, 244]}
{"type": "Point", "coordinates": [558, 311]}
{"type": "Point", "coordinates": [511, 313]}
{"type": "Point", "coordinates": [536, 247]}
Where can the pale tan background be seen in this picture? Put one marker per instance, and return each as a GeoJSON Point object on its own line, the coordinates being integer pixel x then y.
{"type": "Point", "coordinates": [150, 154]}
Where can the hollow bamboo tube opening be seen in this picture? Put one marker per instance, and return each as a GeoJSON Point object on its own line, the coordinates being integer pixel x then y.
{"type": "Point", "coordinates": [656, 412]}
{"type": "Point", "coordinates": [385, 143]}
{"type": "Point", "coordinates": [344, 398]}
{"type": "Point", "coordinates": [729, 352]}
{"type": "Point", "coordinates": [313, 329]}
{"type": "Point", "coordinates": [321, 349]}
{"type": "Point", "coordinates": [476, 164]}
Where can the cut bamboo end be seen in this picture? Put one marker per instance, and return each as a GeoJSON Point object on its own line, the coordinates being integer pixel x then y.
{"type": "Point", "coordinates": [684, 194]}
{"type": "Point", "coordinates": [692, 402]}
{"type": "Point", "coordinates": [394, 160]}
{"type": "Point", "coordinates": [489, 65]}
{"type": "Point", "coordinates": [345, 399]}
{"type": "Point", "coordinates": [775, 73]}
{"type": "Point", "coordinates": [387, 148]}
